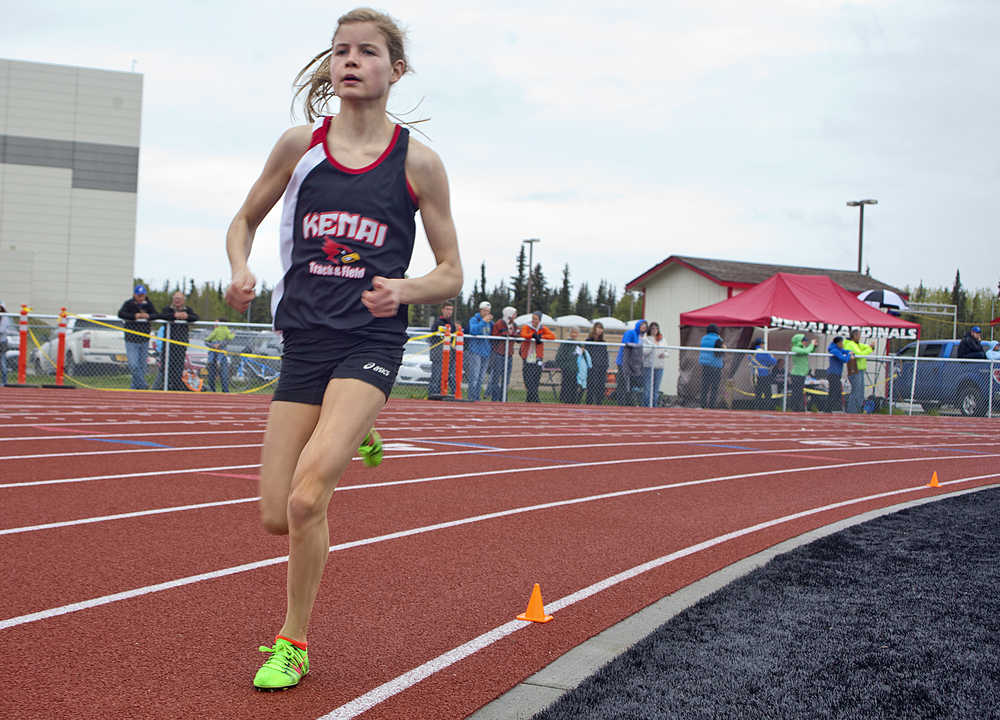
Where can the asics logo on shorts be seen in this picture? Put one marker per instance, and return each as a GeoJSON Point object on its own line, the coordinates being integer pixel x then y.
{"type": "Point", "coordinates": [375, 368]}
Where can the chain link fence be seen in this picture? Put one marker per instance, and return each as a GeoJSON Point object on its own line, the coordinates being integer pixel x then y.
{"type": "Point", "coordinates": [924, 377]}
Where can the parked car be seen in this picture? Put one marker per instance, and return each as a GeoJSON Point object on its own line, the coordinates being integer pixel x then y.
{"type": "Point", "coordinates": [90, 347]}
{"type": "Point", "coordinates": [941, 381]}
{"type": "Point", "coordinates": [416, 366]}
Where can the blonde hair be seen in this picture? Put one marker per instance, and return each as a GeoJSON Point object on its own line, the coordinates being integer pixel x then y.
{"type": "Point", "coordinates": [314, 78]}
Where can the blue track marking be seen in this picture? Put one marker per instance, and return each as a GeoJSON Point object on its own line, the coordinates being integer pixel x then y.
{"type": "Point", "coordinates": [129, 442]}
{"type": "Point", "coordinates": [961, 450]}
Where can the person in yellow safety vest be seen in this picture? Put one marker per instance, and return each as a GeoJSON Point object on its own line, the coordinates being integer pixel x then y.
{"type": "Point", "coordinates": [218, 360]}
{"type": "Point", "coordinates": [858, 350]}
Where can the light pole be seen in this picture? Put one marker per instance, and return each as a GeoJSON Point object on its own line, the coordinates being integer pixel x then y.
{"type": "Point", "coordinates": [860, 204]}
{"type": "Point", "coordinates": [531, 265]}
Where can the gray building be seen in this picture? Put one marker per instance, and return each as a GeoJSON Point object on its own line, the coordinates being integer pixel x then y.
{"type": "Point", "coordinates": [69, 162]}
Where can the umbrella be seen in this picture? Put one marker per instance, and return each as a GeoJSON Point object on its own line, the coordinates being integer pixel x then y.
{"type": "Point", "coordinates": [610, 323]}
{"type": "Point", "coordinates": [882, 299]}
{"type": "Point", "coordinates": [572, 321]}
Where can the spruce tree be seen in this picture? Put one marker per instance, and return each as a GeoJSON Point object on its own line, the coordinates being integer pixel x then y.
{"type": "Point", "coordinates": [584, 303]}
{"type": "Point", "coordinates": [564, 301]}
{"type": "Point", "coordinates": [519, 282]}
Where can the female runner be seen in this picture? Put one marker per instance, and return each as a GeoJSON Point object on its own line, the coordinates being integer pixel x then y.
{"type": "Point", "coordinates": [352, 185]}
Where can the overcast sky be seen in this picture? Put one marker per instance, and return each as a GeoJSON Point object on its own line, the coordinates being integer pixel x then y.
{"type": "Point", "coordinates": [734, 130]}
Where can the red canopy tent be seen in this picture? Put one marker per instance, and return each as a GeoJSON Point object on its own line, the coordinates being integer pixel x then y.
{"type": "Point", "coordinates": [805, 303]}
{"type": "Point", "coordinates": [810, 304]}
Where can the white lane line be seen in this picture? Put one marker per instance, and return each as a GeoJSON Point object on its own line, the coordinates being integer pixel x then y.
{"type": "Point", "coordinates": [164, 434]}
{"type": "Point", "coordinates": [137, 592]}
{"type": "Point", "coordinates": [401, 445]}
{"type": "Point", "coordinates": [410, 678]}
{"type": "Point", "coordinates": [181, 508]}
{"type": "Point", "coordinates": [569, 466]}
{"type": "Point", "coordinates": [123, 516]}
{"type": "Point", "coordinates": [763, 473]}
{"type": "Point", "coordinates": [129, 451]}
{"type": "Point", "coordinates": [150, 473]}
{"type": "Point", "coordinates": [662, 458]}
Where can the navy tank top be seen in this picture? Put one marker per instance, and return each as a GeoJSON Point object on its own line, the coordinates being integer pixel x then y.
{"type": "Point", "coordinates": [340, 227]}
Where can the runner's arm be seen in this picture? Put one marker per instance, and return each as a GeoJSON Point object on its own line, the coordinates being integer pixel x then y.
{"type": "Point", "coordinates": [262, 197]}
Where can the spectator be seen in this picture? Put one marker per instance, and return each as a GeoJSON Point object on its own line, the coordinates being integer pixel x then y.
{"type": "Point", "coordinates": [438, 323]}
{"type": "Point", "coordinates": [971, 347]}
{"type": "Point", "coordinates": [583, 365]}
{"type": "Point", "coordinates": [711, 366]}
{"type": "Point", "coordinates": [478, 349]}
{"type": "Point", "coordinates": [629, 361]}
{"type": "Point", "coordinates": [856, 371]}
{"type": "Point", "coordinates": [533, 336]}
{"type": "Point", "coordinates": [763, 364]}
{"type": "Point", "coordinates": [5, 326]}
{"type": "Point", "coordinates": [654, 360]}
{"type": "Point", "coordinates": [566, 360]}
{"type": "Point", "coordinates": [178, 316]}
{"type": "Point", "coordinates": [136, 312]}
{"type": "Point", "coordinates": [992, 349]}
{"type": "Point", "coordinates": [502, 357]}
{"type": "Point", "coordinates": [218, 359]}
{"type": "Point", "coordinates": [597, 375]}
{"type": "Point", "coordinates": [835, 390]}
{"type": "Point", "coordinates": [798, 371]}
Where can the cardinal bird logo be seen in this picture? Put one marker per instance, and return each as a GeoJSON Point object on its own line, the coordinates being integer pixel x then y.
{"type": "Point", "coordinates": [339, 254]}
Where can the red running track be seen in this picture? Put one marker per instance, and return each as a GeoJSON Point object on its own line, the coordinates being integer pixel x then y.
{"type": "Point", "coordinates": [137, 581]}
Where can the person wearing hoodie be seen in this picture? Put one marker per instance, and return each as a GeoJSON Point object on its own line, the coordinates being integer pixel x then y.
{"type": "Point", "coordinates": [630, 364]}
{"type": "Point", "coordinates": [533, 335]}
{"type": "Point", "coordinates": [762, 362]}
{"type": "Point", "coordinates": [858, 349]}
{"type": "Point", "coordinates": [835, 392]}
{"type": "Point", "coordinates": [798, 370]}
{"type": "Point", "coordinates": [477, 349]}
{"type": "Point", "coordinates": [711, 365]}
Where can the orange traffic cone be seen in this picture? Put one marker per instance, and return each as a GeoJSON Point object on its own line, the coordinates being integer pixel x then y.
{"type": "Point", "coordinates": [535, 611]}
{"type": "Point", "coordinates": [934, 480]}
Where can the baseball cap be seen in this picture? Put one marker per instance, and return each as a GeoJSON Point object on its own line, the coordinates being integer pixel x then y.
{"type": "Point", "coordinates": [139, 290]}
{"type": "Point", "coordinates": [484, 304]}
{"type": "Point", "coordinates": [977, 329]}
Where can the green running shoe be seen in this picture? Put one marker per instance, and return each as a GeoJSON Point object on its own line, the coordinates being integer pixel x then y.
{"type": "Point", "coordinates": [371, 449]}
{"type": "Point", "coordinates": [286, 666]}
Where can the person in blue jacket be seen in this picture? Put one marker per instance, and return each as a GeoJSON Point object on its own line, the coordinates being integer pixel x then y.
{"type": "Point", "coordinates": [478, 350]}
{"type": "Point", "coordinates": [838, 356]}
{"type": "Point", "coordinates": [762, 363]}
{"type": "Point", "coordinates": [711, 366]}
{"type": "Point", "coordinates": [630, 364]}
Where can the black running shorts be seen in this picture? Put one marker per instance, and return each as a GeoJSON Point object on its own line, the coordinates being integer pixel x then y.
{"type": "Point", "coordinates": [311, 359]}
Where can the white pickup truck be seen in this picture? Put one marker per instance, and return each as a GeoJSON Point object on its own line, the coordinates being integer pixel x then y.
{"type": "Point", "coordinates": [89, 346]}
